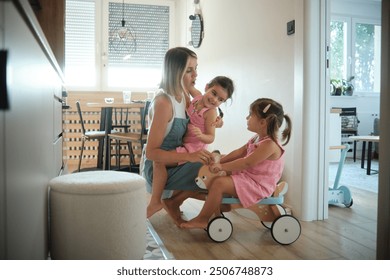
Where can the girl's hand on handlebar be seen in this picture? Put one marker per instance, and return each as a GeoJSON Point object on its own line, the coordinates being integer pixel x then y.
{"type": "Point", "coordinates": [215, 167]}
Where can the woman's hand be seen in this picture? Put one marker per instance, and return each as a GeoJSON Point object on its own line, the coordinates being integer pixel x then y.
{"type": "Point", "coordinates": [218, 123]}
{"type": "Point", "coordinates": [202, 156]}
{"type": "Point", "coordinates": [193, 91]}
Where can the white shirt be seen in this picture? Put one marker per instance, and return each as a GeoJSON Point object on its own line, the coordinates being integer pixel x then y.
{"type": "Point", "coordinates": [178, 110]}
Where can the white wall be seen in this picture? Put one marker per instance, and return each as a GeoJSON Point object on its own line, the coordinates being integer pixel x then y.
{"type": "Point", "coordinates": [251, 46]}
{"type": "Point", "coordinates": [247, 40]}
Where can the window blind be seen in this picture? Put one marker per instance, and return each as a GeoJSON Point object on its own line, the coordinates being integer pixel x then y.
{"type": "Point", "coordinates": [150, 28]}
{"type": "Point", "coordinates": [80, 42]}
{"type": "Point", "coordinates": [111, 69]}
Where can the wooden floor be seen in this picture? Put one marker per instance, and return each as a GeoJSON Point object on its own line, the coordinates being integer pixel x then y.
{"type": "Point", "coordinates": [348, 234]}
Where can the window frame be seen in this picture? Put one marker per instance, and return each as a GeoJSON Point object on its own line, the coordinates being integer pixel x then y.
{"type": "Point", "coordinates": [351, 22]}
{"type": "Point", "coordinates": [101, 43]}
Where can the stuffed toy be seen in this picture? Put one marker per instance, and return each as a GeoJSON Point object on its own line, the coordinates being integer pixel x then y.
{"type": "Point", "coordinates": [205, 176]}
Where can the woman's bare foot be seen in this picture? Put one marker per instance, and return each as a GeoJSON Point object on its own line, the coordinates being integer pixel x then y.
{"type": "Point", "coordinates": [173, 210]}
{"type": "Point", "coordinates": [196, 222]}
{"type": "Point", "coordinates": [153, 208]}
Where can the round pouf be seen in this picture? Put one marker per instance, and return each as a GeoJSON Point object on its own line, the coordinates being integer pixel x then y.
{"type": "Point", "coordinates": [97, 215]}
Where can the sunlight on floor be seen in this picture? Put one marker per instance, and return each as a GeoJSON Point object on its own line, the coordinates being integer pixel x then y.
{"type": "Point", "coordinates": [354, 176]}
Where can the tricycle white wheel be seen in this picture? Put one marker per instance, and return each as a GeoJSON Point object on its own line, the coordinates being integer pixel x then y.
{"type": "Point", "coordinates": [220, 229]}
{"type": "Point", "coordinates": [286, 229]}
{"type": "Point", "coordinates": [282, 211]}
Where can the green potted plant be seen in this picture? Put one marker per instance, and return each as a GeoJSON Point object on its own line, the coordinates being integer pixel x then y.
{"type": "Point", "coordinates": [336, 87]}
{"type": "Point", "coordinates": [342, 86]}
{"type": "Point", "coordinates": [348, 86]}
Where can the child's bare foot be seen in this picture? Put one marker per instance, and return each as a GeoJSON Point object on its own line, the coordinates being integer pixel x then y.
{"type": "Point", "coordinates": [173, 210]}
{"type": "Point", "coordinates": [195, 223]}
{"type": "Point", "coordinates": [153, 208]}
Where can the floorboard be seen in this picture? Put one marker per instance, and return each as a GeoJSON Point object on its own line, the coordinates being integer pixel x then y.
{"type": "Point", "coordinates": [348, 234]}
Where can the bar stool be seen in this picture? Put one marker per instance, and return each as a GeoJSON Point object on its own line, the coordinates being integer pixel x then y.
{"type": "Point", "coordinates": [138, 137]}
{"type": "Point", "coordinates": [87, 135]}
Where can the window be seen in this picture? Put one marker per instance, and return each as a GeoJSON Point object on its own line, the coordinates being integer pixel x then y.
{"type": "Point", "coordinates": [103, 52]}
{"type": "Point", "coordinates": [367, 57]}
{"type": "Point", "coordinates": [80, 65]}
{"type": "Point", "coordinates": [338, 50]}
{"type": "Point", "coordinates": [355, 52]}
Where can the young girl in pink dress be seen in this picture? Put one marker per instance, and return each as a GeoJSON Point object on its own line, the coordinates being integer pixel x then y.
{"type": "Point", "coordinates": [255, 168]}
{"type": "Point", "coordinates": [202, 113]}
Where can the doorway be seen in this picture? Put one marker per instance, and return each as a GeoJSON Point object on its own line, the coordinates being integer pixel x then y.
{"type": "Point", "coordinates": [354, 77]}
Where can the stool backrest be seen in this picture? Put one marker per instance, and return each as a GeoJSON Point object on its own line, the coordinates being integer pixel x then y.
{"type": "Point", "coordinates": [120, 119]}
{"type": "Point", "coordinates": [348, 111]}
{"type": "Point", "coordinates": [376, 126]}
{"type": "Point", "coordinates": [81, 116]}
{"type": "Point", "coordinates": [349, 119]}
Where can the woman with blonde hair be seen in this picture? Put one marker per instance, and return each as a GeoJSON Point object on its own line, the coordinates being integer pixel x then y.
{"type": "Point", "coordinates": [168, 124]}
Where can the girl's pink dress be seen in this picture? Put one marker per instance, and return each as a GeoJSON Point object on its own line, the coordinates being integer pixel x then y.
{"type": "Point", "coordinates": [258, 182]}
{"type": "Point", "coordinates": [190, 142]}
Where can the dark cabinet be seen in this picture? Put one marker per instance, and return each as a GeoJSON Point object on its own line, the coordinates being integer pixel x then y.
{"type": "Point", "coordinates": [30, 133]}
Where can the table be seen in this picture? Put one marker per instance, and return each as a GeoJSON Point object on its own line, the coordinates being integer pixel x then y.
{"type": "Point", "coordinates": [370, 139]}
{"type": "Point", "coordinates": [106, 125]}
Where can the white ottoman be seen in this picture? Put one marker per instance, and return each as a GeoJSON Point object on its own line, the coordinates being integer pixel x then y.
{"type": "Point", "coordinates": [97, 215]}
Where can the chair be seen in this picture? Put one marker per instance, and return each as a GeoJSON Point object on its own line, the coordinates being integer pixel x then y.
{"type": "Point", "coordinates": [132, 138]}
{"type": "Point", "coordinates": [376, 132]}
{"type": "Point", "coordinates": [120, 119]}
{"type": "Point", "coordinates": [87, 135]}
{"type": "Point", "coordinates": [121, 123]}
{"type": "Point", "coordinates": [349, 126]}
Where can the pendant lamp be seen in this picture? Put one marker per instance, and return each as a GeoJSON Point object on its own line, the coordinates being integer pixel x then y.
{"type": "Point", "coordinates": [122, 38]}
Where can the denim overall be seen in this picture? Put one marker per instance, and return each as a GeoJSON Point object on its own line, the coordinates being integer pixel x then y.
{"type": "Point", "coordinates": [181, 177]}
